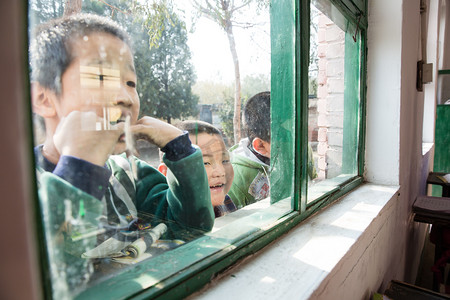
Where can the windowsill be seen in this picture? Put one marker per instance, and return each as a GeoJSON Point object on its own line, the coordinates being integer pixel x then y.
{"type": "Point", "coordinates": [246, 211]}
{"type": "Point", "coordinates": [305, 250]}
{"type": "Point", "coordinates": [320, 189]}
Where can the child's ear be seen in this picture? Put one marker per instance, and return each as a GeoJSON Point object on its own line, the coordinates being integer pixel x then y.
{"type": "Point", "coordinates": [262, 147]}
{"type": "Point", "coordinates": [162, 168]}
{"type": "Point", "coordinates": [43, 100]}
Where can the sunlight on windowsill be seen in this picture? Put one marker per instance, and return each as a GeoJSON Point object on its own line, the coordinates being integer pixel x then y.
{"type": "Point", "coordinates": [313, 249]}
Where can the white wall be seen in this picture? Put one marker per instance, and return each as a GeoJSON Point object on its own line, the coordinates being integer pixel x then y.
{"type": "Point", "coordinates": [430, 89]}
{"type": "Point", "coordinates": [383, 91]}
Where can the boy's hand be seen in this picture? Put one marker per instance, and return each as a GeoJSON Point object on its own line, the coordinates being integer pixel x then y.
{"type": "Point", "coordinates": [155, 131]}
{"type": "Point", "coordinates": [76, 135]}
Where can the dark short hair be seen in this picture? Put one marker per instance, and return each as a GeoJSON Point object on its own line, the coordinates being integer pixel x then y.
{"type": "Point", "coordinates": [197, 127]}
{"type": "Point", "coordinates": [51, 47]}
{"type": "Point", "coordinates": [194, 127]}
{"type": "Point", "coordinates": [257, 117]}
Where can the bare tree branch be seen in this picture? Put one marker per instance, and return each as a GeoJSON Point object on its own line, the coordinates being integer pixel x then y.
{"type": "Point", "coordinates": [233, 9]}
{"type": "Point", "coordinates": [222, 12]}
{"type": "Point", "coordinates": [114, 8]}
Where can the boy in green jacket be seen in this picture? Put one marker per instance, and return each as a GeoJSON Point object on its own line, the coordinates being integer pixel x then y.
{"type": "Point", "coordinates": [251, 157]}
{"type": "Point", "coordinates": [84, 87]}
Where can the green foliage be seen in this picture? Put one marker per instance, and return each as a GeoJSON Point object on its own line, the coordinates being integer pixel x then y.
{"type": "Point", "coordinates": [211, 92]}
{"type": "Point", "coordinates": [226, 113]}
{"type": "Point", "coordinates": [223, 95]}
{"type": "Point", "coordinates": [254, 84]}
{"type": "Point", "coordinates": [153, 15]}
{"type": "Point", "coordinates": [168, 92]}
{"type": "Point", "coordinates": [43, 10]}
{"type": "Point", "coordinates": [251, 85]}
{"type": "Point", "coordinates": [312, 86]}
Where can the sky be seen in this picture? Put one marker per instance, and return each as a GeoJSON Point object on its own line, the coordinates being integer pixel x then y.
{"type": "Point", "coordinates": [211, 54]}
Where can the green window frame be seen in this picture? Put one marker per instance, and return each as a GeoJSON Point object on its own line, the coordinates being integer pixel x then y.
{"type": "Point", "coordinates": [290, 98]}
{"type": "Point", "coordinates": [184, 270]}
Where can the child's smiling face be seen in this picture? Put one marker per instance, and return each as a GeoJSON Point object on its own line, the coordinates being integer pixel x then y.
{"type": "Point", "coordinates": [101, 78]}
{"type": "Point", "coordinates": [217, 164]}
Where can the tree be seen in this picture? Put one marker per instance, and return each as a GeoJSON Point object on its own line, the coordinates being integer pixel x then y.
{"type": "Point", "coordinates": [72, 7]}
{"type": "Point", "coordinates": [251, 85]}
{"type": "Point", "coordinates": [212, 92]}
{"type": "Point", "coordinates": [223, 13]}
{"type": "Point", "coordinates": [168, 92]}
{"type": "Point", "coordinates": [226, 113]}
{"type": "Point", "coordinates": [43, 10]}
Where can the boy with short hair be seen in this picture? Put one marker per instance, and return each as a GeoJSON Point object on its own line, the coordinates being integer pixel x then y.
{"type": "Point", "coordinates": [84, 86]}
{"type": "Point", "coordinates": [216, 159]}
{"type": "Point", "coordinates": [251, 157]}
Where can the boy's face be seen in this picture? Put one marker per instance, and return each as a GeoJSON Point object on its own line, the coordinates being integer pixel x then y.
{"type": "Point", "coordinates": [217, 164]}
{"type": "Point", "coordinates": [101, 78]}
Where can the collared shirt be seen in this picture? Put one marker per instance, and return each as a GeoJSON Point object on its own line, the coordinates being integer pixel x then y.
{"type": "Point", "coordinates": [226, 208]}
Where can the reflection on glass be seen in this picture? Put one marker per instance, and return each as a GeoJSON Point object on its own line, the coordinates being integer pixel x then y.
{"type": "Point", "coordinates": [106, 100]}
{"type": "Point", "coordinates": [102, 209]}
{"type": "Point", "coordinates": [332, 98]}
{"type": "Point", "coordinates": [216, 159]}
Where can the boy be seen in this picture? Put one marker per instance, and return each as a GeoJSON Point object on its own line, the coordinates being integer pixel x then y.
{"type": "Point", "coordinates": [216, 160]}
{"type": "Point", "coordinates": [84, 87]}
{"type": "Point", "coordinates": [251, 157]}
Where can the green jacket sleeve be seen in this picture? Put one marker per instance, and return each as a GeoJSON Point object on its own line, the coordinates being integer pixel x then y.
{"type": "Point", "coordinates": [239, 189]}
{"type": "Point", "coordinates": [57, 198]}
{"type": "Point", "coordinates": [182, 200]}
{"type": "Point", "coordinates": [245, 171]}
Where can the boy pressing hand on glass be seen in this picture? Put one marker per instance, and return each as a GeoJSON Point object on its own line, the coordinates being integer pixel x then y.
{"type": "Point", "coordinates": [84, 87]}
{"type": "Point", "coordinates": [216, 159]}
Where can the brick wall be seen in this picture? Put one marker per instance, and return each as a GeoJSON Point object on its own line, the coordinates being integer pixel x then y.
{"type": "Point", "coordinates": [330, 98]}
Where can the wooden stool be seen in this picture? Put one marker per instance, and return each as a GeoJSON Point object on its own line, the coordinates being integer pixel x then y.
{"type": "Point", "coordinates": [438, 178]}
{"type": "Point", "coordinates": [398, 290]}
{"type": "Point", "coordinates": [435, 211]}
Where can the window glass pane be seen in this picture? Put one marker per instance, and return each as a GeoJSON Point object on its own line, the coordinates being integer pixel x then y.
{"type": "Point", "coordinates": [283, 106]}
{"type": "Point", "coordinates": [333, 99]}
{"type": "Point", "coordinates": [94, 90]}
